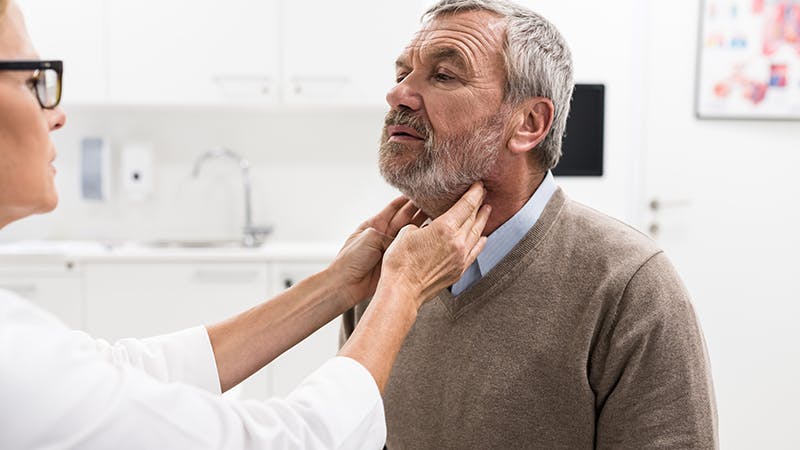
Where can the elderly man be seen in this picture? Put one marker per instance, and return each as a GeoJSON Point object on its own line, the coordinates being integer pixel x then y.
{"type": "Point", "coordinates": [571, 330]}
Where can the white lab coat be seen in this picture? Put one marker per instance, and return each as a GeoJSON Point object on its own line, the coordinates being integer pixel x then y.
{"type": "Point", "coordinates": [62, 389]}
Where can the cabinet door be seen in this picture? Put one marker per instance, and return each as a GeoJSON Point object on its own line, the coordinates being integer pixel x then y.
{"type": "Point", "coordinates": [72, 32]}
{"type": "Point", "coordinates": [147, 299]}
{"type": "Point", "coordinates": [190, 52]}
{"type": "Point", "coordinates": [343, 52]}
{"type": "Point", "coordinates": [289, 369]}
{"type": "Point", "coordinates": [56, 288]}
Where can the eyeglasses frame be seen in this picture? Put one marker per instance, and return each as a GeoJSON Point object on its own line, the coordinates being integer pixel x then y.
{"type": "Point", "coordinates": [37, 65]}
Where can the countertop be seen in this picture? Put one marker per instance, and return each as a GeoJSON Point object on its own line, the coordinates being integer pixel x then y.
{"type": "Point", "coordinates": [97, 251]}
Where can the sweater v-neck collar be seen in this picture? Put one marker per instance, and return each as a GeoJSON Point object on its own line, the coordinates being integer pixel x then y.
{"type": "Point", "coordinates": [503, 272]}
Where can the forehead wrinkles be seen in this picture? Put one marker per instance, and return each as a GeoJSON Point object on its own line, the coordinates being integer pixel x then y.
{"type": "Point", "coordinates": [477, 40]}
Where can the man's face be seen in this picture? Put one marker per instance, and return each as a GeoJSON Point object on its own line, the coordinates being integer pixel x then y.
{"type": "Point", "coordinates": [446, 125]}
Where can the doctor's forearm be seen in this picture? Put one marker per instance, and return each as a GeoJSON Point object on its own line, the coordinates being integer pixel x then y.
{"type": "Point", "coordinates": [247, 342]}
{"type": "Point", "coordinates": [379, 335]}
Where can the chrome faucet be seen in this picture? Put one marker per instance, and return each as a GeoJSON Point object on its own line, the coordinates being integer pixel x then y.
{"type": "Point", "coordinates": [252, 235]}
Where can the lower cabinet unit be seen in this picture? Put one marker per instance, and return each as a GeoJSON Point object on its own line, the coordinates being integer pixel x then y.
{"type": "Point", "coordinates": [142, 299]}
{"type": "Point", "coordinates": [55, 287]}
{"type": "Point", "coordinates": [289, 369]}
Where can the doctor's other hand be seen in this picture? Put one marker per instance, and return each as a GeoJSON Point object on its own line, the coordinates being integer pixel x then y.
{"type": "Point", "coordinates": [423, 261]}
{"type": "Point", "coordinates": [358, 264]}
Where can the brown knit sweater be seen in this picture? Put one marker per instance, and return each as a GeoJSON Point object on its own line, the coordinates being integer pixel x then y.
{"type": "Point", "coordinates": [582, 337]}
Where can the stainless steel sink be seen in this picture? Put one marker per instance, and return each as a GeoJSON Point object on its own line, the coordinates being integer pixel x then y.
{"type": "Point", "coordinates": [190, 244]}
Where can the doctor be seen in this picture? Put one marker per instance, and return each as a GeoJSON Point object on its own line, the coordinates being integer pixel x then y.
{"type": "Point", "coordinates": [61, 388]}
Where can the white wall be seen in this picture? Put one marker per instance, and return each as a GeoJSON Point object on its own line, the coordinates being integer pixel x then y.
{"type": "Point", "coordinates": [736, 243]}
{"type": "Point", "coordinates": [315, 175]}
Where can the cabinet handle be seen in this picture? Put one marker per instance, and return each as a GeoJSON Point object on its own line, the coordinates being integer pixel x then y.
{"type": "Point", "coordinates": [23, 290]}
{"type": "Point", "coordinates": [316, 86]}
{"type": "Point", "coordinates": [225, 276]}
{"type": "Point", "coordinates": [243, 85]}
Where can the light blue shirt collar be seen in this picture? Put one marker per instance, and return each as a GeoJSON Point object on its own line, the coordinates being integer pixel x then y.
{"type": "Point", "coordinates": [508, 235]}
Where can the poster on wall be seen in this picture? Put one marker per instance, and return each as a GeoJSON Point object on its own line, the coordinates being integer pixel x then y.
{"type": "Point", "coordinates": [749, 59]}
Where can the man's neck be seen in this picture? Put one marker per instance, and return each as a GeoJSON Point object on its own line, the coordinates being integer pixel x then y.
{"type": "Point", "coordinates": [507, 198]}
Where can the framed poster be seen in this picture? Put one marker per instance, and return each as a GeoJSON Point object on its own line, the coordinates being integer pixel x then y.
{"type": "Point", "coordinates": [748, 60]}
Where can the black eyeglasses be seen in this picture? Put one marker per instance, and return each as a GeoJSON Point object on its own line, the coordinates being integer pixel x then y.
{"type": "Point", "coordinates": [46, 80]}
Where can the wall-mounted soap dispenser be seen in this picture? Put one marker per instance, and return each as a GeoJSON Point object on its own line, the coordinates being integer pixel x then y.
{"type": "Point", "coordinates": [137, 171]}
{"type": "Point", "coordinates": [95, 169]}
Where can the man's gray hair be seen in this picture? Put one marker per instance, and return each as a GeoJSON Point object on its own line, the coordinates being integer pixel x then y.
{"type": "Point", "coordinates": [538, 63]}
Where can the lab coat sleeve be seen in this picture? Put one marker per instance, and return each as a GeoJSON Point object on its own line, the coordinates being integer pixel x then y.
{"type": "Point", "coordinates": [185, 356]}
{"type": "Point", "coordinates": [58, 391]}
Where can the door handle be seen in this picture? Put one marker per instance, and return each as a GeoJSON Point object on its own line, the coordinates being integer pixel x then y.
{"type": "Point", "coordinates": [658, 204]}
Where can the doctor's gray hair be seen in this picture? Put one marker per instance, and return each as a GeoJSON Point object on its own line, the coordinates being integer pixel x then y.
{"type": "Point", "coordinates": [537, 59]}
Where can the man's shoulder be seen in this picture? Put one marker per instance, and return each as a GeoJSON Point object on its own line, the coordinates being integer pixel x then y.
{"type": "Point", "coordinates": [613, 250]}
{"type": "Point", "coordinates": [598, 233]}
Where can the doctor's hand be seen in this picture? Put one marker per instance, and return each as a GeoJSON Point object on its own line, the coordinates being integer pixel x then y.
{"type": "Point", "coordinates": [423, 261]}
{"type": "Point", "coordinates": [358, 264]}
{"type": "Point", "coordinates": [418, 264]}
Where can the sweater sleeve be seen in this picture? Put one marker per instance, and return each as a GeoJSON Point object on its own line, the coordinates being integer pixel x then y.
{"type": "Point", "coordinates": [651, 372]}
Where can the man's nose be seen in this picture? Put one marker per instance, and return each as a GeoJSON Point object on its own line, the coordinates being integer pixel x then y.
{"type": "Point", "coordinates": [403, 94]}
{"type": "Point", "coordinates": [56, 118]}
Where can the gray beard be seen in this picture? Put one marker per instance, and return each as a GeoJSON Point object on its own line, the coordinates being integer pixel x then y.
{"type": "Point", "coordinates": [438, 176]}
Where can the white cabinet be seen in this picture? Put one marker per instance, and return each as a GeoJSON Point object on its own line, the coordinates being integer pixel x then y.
{"type": "Point", "coordinates": [289, 369]}
{"type": "Point", "coordinates": [190, 52]}
{"type": "Point", "coordinates": [131, 299]}
{"type": "Point", "coordinates": [72, 32]}
{"type": "Point", "coordinates": [237, 52]}
{"type": "Point", "coordinates": [55, 287]}
{"type": "Point", "coordinates": [147, 299]}
{"type": "Point", "coordinates": [344, 52]}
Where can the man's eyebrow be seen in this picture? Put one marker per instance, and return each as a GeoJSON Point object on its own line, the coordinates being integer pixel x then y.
{"type": "Point", "coordinates": [437, 55]}
{"type": "Point", "coordinates": [452, 55]}
{"type": "Point", "coordinates": [401, 63]}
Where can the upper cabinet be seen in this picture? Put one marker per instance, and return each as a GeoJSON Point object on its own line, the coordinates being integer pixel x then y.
{"type": "Point", "coordinates": [236, 52]}
{"type": "Point", "coordinates": [343, 52]}
{"type": "Point", "coordinates": [190, 52]}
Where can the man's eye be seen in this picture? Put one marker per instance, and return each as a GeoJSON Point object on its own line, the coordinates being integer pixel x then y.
{"type": "Point", "coordinates": [400, 78]}
{"type": "Point", "coordinates": [442, 77]}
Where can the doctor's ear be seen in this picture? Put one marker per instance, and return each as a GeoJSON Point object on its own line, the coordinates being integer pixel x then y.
{"type": "Point", "coordinates": [531, 122]}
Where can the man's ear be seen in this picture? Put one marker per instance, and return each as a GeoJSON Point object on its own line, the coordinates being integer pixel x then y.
{"type": "Point", "coordinates": [531, 123]}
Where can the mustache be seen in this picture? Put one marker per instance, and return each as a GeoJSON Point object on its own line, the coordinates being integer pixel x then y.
{"type": "Point", "coordinates": [409, 119]}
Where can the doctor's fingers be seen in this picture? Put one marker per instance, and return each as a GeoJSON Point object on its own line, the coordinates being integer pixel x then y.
{"type": "Point", "coordinates": [402, 217]}
{"type": "Point", "coordinates": [382, 220]}
{"type": "Point", "coordinates": [419, 218]}
{"type": "Point", "coordinates": [473, 227]}
{"type": "Point", "coordinates": [464, 209]}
